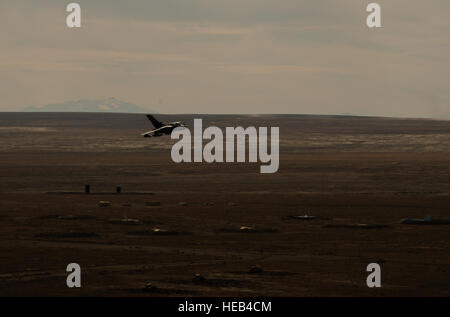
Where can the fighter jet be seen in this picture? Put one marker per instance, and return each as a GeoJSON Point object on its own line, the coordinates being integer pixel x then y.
{"type": "Point", "coordinates": [161, 128]}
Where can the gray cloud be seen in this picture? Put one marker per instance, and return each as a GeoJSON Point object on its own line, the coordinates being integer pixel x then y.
{"type": "Point", "coordinates": [215, 56]}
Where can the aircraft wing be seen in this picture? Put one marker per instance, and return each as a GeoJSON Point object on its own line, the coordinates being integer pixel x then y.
{"type": "Point", "coordinates": [153, 133]}
{"type": "Point", "coordinates": [158, 132]}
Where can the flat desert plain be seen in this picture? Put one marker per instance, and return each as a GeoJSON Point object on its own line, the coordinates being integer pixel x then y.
{"type": "Point", "coordinates": [198, 229]}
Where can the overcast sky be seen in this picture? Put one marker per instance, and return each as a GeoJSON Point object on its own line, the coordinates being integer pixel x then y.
{"type": "Point", "coordinates": [230, 56]}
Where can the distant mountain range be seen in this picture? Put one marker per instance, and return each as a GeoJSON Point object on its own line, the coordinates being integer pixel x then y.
{"type": "Point", "coordinates": [110, 104]}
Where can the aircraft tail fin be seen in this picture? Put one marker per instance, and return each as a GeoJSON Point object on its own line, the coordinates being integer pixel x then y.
{"type": "Point", "coordinates": [157, 124]}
